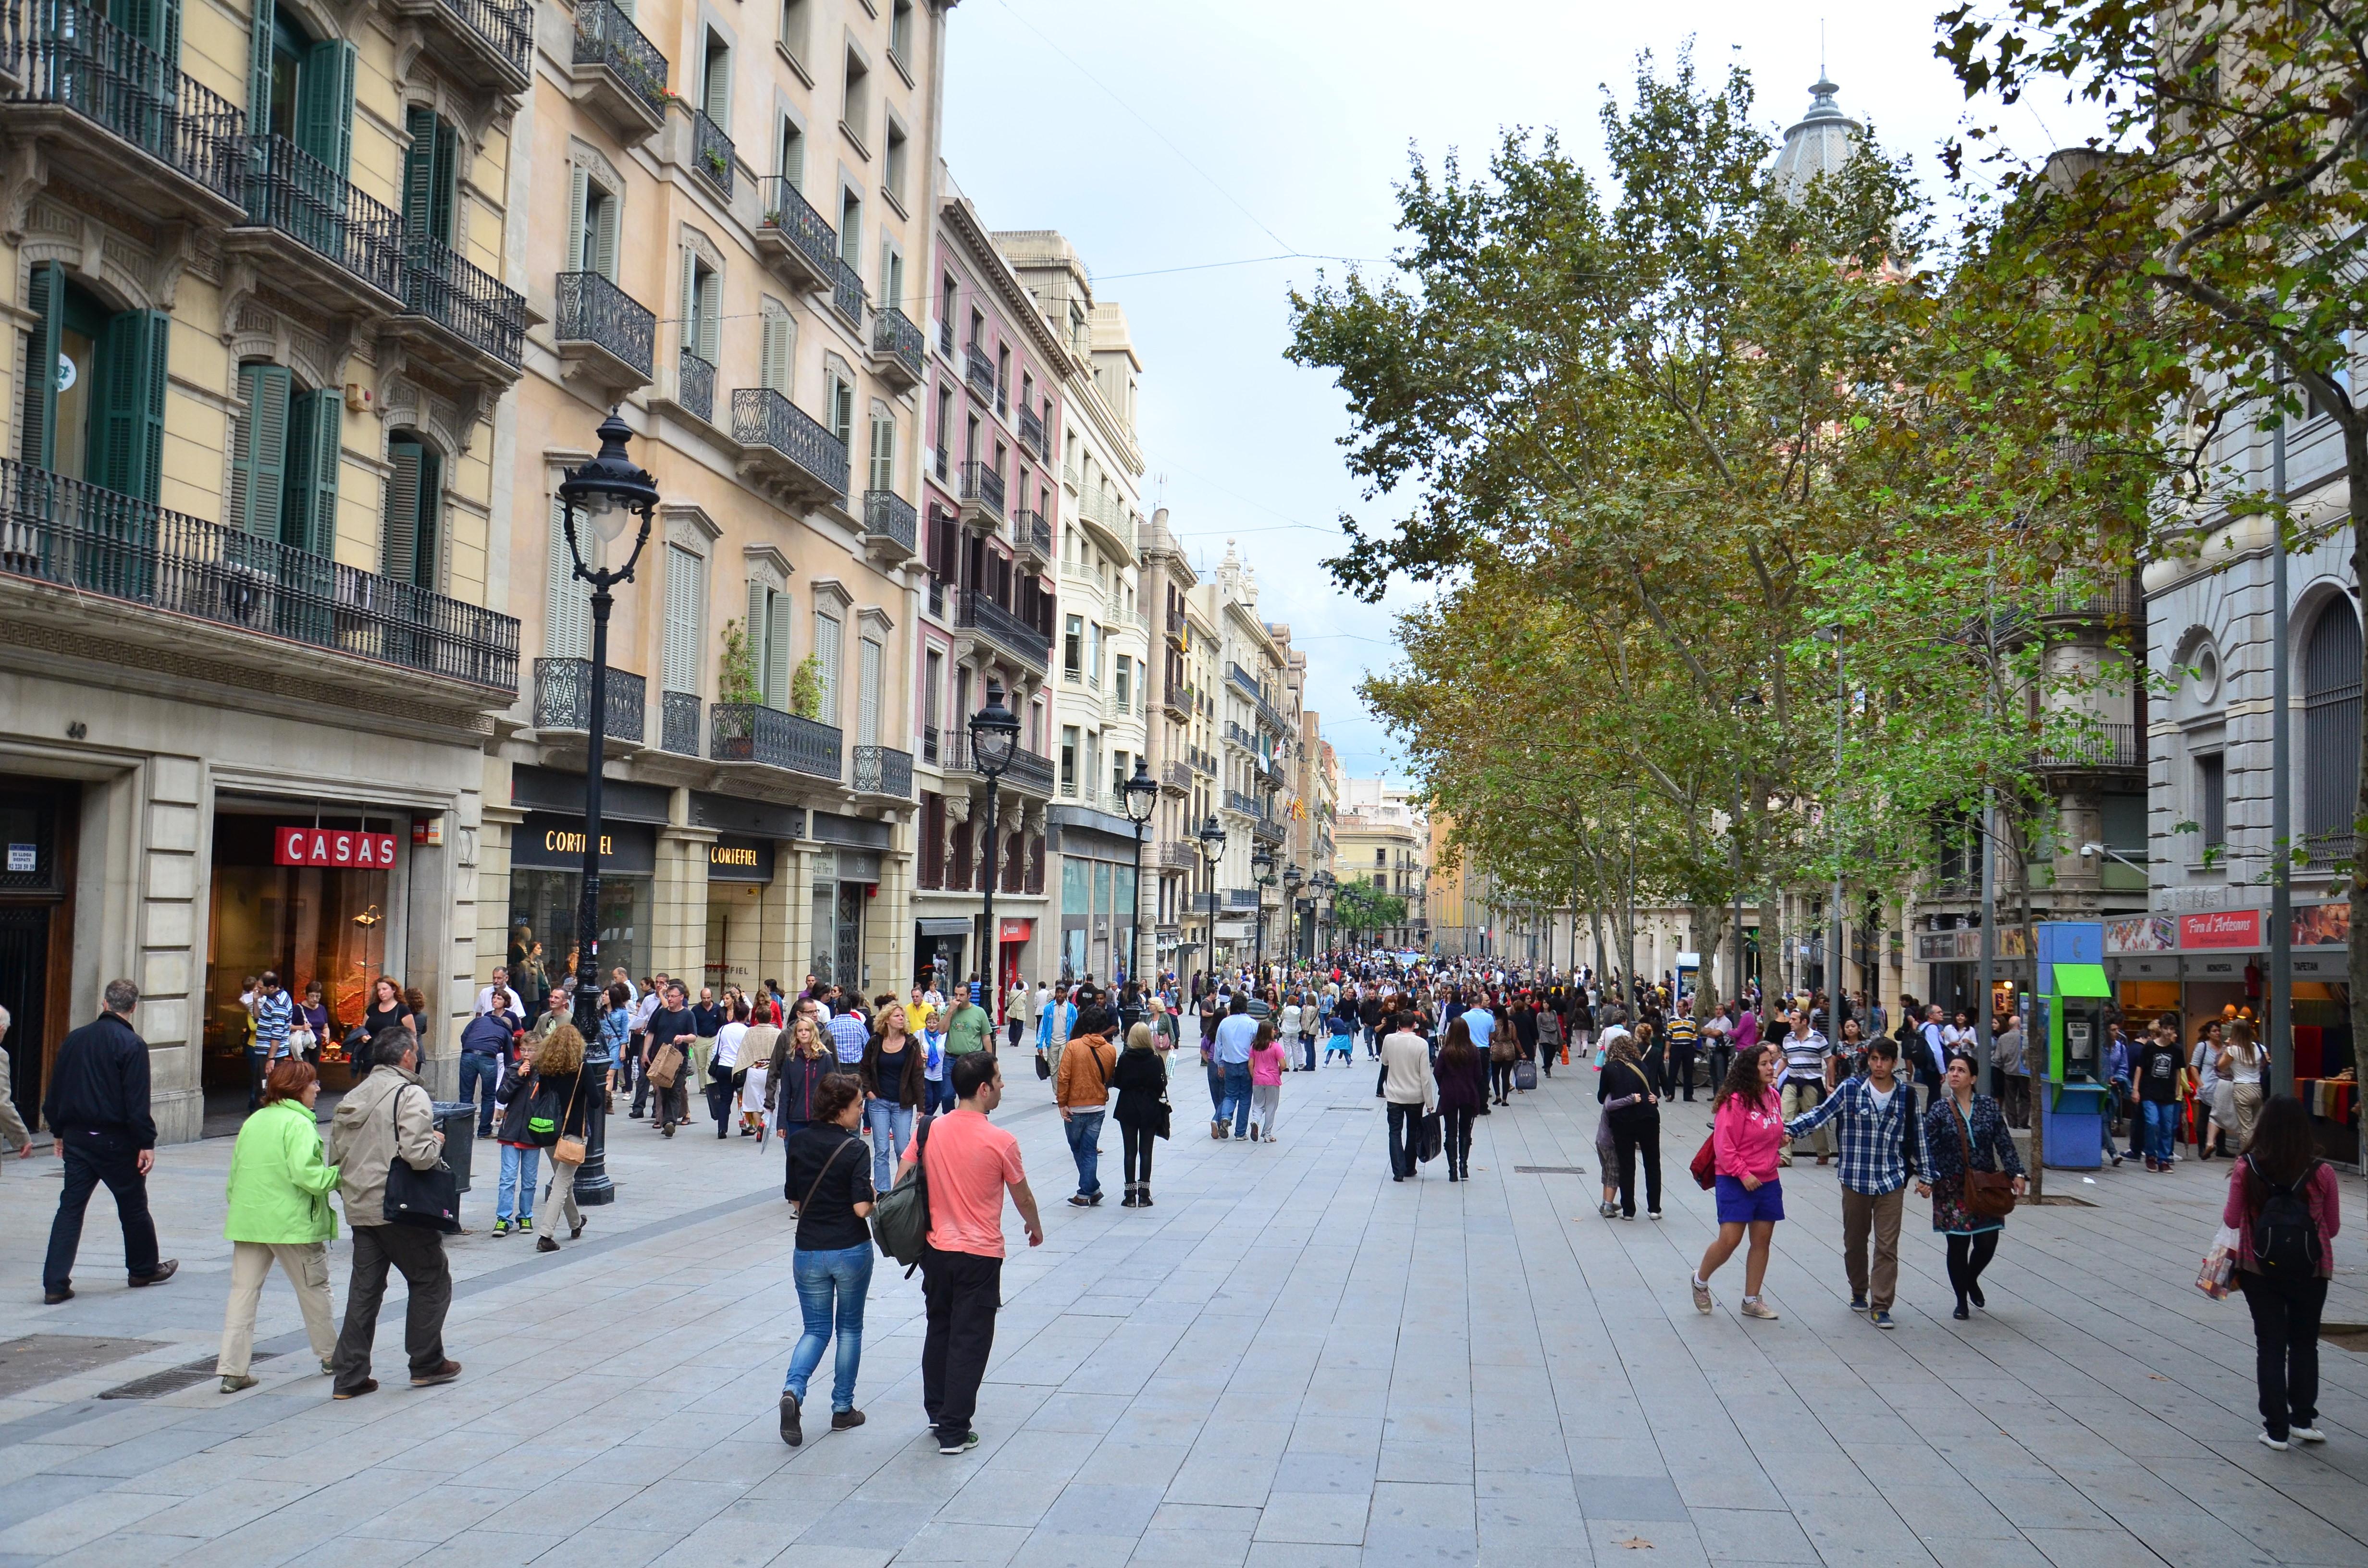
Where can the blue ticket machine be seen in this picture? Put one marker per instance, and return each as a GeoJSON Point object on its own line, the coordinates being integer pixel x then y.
{"type": "Point", "coordinates": [2073, 998]}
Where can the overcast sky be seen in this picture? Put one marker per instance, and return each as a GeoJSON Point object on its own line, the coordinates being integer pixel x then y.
{"type": "Point", "coordinates": [1164, 136]}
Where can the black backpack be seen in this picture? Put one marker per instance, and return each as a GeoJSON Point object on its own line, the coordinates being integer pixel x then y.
{"type": "Point", "coordinates": [2285, 1237]}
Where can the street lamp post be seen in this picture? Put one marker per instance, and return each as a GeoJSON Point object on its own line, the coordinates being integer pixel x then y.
{"type": "Point", "coordinates": [607, 492]}
{"type": "Point", "coordinates": [1291, 879]}
{"type": "Point", "coordinates": [1262, 863]}
{"type": "Point", "coordinates": [993, 738]}
{"type": "Point", "coordinates": [1141, 793]}
{"type": "Point", "coordinates": [1213, 848]}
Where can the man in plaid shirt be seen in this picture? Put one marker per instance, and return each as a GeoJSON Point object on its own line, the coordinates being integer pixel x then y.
{"type": "Point", "coordinates": [1883, 1144]}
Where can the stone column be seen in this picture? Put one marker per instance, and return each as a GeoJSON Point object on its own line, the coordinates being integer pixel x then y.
{"type": "Point", "coordinates": [171, 865]}
{"type": "Point", "coordinates": [678, 906]}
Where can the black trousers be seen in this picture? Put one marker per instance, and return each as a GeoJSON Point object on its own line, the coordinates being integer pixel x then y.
{"type": "Point", "coordinates": [2285, 1348]}
{"type": "Point", "coordinates": [1968, 1256]}
{"type": "Point", "coordinates": [961, 1292]}
{"type": "Point", "coordinates": [258, 1067]}
{"type": "Point", "coordinates": [1404, 1121]}
{"type": "Point", "coordinates": [418, 1253]}
{"type": "Point", "coordinates": [1682, 1072]}
{"type": "Point", "coordinates": [94, 1155]}
{"type": "Point", "coordinates": [1135, 1145]}
{"type": "Point", "coordinates": [1456, 1126]}
{"type": "Point", "coordinates": [1501, 1079]}
{"type": "Point", "coordinates": [1630, 1138]}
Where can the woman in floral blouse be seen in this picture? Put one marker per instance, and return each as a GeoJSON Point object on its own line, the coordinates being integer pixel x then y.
{"type": "Point", "coordinates": [1962, 1129]}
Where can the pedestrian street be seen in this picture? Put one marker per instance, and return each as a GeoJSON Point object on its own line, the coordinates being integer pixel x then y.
{"type": "Point", "coordinates": [1290, 1362]}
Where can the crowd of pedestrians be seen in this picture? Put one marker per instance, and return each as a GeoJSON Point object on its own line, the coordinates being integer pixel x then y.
{"type": "Point", "coordinates": [885, 1103]}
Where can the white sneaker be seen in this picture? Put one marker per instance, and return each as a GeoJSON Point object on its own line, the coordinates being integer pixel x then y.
{"type": "Point", "coordinates": [2305, 1434]}
{"type": "Point", "coordinates": [2269, 1442]}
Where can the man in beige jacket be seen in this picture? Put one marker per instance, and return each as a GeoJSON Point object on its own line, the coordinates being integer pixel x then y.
{"type": "Point", "coordinates": [388, 1116]}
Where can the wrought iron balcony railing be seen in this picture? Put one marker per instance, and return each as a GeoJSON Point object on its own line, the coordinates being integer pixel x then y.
{"type": "Point", "coordinates": [893, 333]}
{"type": "Point", "coordinates": [1031, 533]}
{"type": "Point", "coordinates": [606, 36]}
{"type": "Point", "coordinates": [891, 516]}
{"type": "Point", "coordinates": [1175, 775]}
{"type": "Point", "coordinates": [509, 29]}
{"type": "Point", "coordinates": [593, 310]}
{"type": "Point", "coordinates": [712, 150]}
{"type": "Point", "coordinates": [678, 721]}
{"type": "Point", "coordinates": [979, 368]}
{"type": "Point", "coordinates": [846, 295]}
{"type": "Point", "coordinates": [1031, 431]}
{"type": "Point", "coordinates": [563, 698]}
{"type": "Point", "coordinates": [65, 54]}
{"type": "Point", "coordinates": [2101, 746]}
{"type": "Point", "coordinates": [810, 239]}
{"type": "Point", "coordinates": [1026, 771]}
{"type": "Point", "coordinates": [1005, 629]}
{"type": "Point", "coordinates": [744, 732]}
{"type": "Point", "coordinates": [694, 385]}
{"type": "Point", "coordinates": [884, 770]}
{"type": "Point", "coordinates": [983, 485]}
{"type": "Point", "coordinates": [463, 299]}
{"type": "Point", "coordinates": [761, 416]}
{"type": "Point", "coordinates": [292, 191]}
{"type": "Point", "coordinates": [96, 542]}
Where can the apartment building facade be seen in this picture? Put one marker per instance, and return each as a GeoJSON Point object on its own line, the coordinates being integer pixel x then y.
{"type": "Point", "coordinates": [999, 374]}
{"type": "Point", "coordinates": [1250, 765]}
{"type": "Point", "coordinates": [1103, 629]}
{"type": "Point", "coordinates": [1177, 739]}
{"type": "Point", "coordinates": [1383, 840]}
{"type": "Point", "coordinates": [253, 510]}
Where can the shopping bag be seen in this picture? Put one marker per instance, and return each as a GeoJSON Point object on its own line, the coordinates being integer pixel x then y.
{"type": "Point", "coordinates": [1705, 1165]}
{"type": "Point", "coordinates": [1428, 1137]}
{"type": "Point", "coordinates": [1525, 1075]}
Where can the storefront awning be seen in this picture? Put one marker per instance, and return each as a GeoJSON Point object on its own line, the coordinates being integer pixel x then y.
{"type": "Point", "coordinates": [945, 925]}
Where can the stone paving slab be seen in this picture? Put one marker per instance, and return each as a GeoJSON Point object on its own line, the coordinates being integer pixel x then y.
{"type": "Point", "coordinates": [1290, 1362]}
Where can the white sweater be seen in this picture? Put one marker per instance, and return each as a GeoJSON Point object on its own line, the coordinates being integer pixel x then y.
{"type": "Point", "coordinates": [1405, 1064]}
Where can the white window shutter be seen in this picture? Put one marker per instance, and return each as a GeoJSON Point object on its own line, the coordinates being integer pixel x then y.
{"type": "Point", "coordinates": [579, 191]}
{"type": "Point", "coordinates": [690, 302]}
{"type": "Point", "coordinates": [826, 655]}
{"type": "Point", "coordinates": [777, 651]}
{"type": "Point", "coordinates": [867, 695]}
{"type": "Point", "coordinates": [685, 600]}
{"type": "Point", "coordinates": [754, 628]}
{"type": "Point", "coordinates": [710, 317]}
{"type": "Point", "coordinates": [567, 630]}
{"type": "Point", "coordinates": [777, 350]}
{"type": "Point", "coordinates": [604, 235]}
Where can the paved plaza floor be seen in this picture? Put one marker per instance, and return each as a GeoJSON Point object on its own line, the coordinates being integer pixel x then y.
{"type": "Point", "coordinates": [1290, 1362]}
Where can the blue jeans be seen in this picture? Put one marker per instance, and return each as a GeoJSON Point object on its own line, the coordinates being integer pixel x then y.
{"type": "Point", "coordinates": [892, 1129]}
{"type": "Point", "coordinates": [480, 1067]}
{"type": "Point", "coordinates": [1237, 1097]}
{"type": "Point", "coordinates": [938, 1093]}
{"type": "Point", "coordinates": [514, 1197]}
{"type": "Point", "coordinates": [2161, 1127]}
{"type": "Point", "coordinates": [1085, 1131]}
{"type": "Point", "coordinates": [825, 1279]}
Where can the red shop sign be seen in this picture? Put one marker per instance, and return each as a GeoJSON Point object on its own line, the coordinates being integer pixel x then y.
{"type": "Point", "coordinates": [332, 847]}
{"type": "Point", "coordinates": [1018, 930]}
{"type": "Point", "coordinates": [2221, 928]}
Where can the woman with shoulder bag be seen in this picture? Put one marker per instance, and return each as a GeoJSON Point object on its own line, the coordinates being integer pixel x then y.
{"type": "Point", "coordinates": [279, 1212]}
{"type": "Point", "coordinates": [832, 1265]}
{"type": "Point", "coordinates": [1631, 1097]}
{"type": "Point", "coordinates": [2240, 1073]}
{"type": "Point", "coordinates": [1143, 1113]}
{"type": "Point", "coordinates": [2281, 1205]}
{"type": "Point", "coordinates": [1973, 1156]}
{"type": "Point", "coordinates": [564, 1104]}
{"type": "Point", "coordinates": [792, 1079]}
{"type": "Point", "coordinates": [892, 1088]}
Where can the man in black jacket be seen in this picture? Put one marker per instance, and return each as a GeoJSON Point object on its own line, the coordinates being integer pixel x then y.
{"type": "Point", "coordinates": [97, 1112]}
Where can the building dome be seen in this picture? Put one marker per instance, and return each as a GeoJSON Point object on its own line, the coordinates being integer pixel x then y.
{"type": "Point", "coordinates": [1820, 144]}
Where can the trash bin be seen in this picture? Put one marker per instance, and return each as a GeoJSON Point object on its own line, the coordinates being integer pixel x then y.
{"type": "Point", "coordinates": [457, 1119]}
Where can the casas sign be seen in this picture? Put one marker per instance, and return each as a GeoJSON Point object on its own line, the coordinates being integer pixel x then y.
{"type": "Point", "coordinates": [340, 846]}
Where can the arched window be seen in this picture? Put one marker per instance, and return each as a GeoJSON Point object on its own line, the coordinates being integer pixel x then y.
{"type": "Point", "coordinates": [2331, 730]}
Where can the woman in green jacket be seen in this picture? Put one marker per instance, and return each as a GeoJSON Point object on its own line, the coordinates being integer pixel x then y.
{"type": "Point", "coordinates": [280, 1210]}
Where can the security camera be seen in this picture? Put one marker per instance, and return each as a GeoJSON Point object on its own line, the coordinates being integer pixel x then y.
{"type": "Point", "coordinates": [2089, 851]}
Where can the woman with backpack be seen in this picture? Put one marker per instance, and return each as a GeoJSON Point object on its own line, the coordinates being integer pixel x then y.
{"type": "Point", "coordinates": [2281, 1205]}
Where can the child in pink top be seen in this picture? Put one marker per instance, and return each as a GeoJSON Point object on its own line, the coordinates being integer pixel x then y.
{"type": "Point", "coordinates": [1266, 1083]}
{"type": "Point", "coordinates": [1746, 1135]}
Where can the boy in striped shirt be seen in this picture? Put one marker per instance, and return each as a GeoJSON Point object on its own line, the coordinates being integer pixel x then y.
{"type": "Point", "coordinates": [1804, 1081]}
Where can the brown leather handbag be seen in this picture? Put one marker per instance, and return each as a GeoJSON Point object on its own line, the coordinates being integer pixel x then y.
{"type": "Point", "coordinates": [1989, 1195]}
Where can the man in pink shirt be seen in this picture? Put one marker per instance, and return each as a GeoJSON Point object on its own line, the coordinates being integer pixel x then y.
{"type": "Point", "coordinates": [969, 1162]}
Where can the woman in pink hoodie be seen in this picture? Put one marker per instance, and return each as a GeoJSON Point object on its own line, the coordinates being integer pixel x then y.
{"type": "Point", "coordinates": [1746, 1135]}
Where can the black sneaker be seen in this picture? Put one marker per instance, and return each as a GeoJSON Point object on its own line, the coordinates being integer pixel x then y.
{"type": "Point", "coordinates": [791, 1433]}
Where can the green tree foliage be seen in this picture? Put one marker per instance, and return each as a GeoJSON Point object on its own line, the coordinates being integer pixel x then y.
{"type": "Point", "coordinates": [1361, 906]}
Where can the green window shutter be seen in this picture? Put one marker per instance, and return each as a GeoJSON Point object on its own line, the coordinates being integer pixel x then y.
{"type": "Point", "coordinates": [418, 168]}
{"type": "Point", "coordinates": [324, 114]}
{"type": "Point", "coordinates": [753, 630]}
{"type": "Point", "coordinates": [168, 35]}
{"type": "Point", "coordinates": [689, 302]}
{"type": "Point", "coordinates": [686, 578]}
{"type": "Point", "coordinates": [399, 547]}
{"type": "Point", "coordinates": [719, 82]}
{"type": "Point", "coordinates": [444, 178]}
{"type": "Point", "coordinates": [316, 433]}
{"type": "Point", "coordinates": [883, 451]}
{"type": "Point", "coordinates": [777, 652]}
{"type": "Point", "coordinates": [45, 299]}
{"type": "Point", "coordinates": [428, 554]}
{"type": "Point", "coordinates": [710, 317]}
{"type": "Point", "coordinates": [131, 402]}
{"type": "Point", "coordinates": [828, 653]}
{"type": "Point", "coordinates": [604, 236]}
{"type": "Point", "coordinates": [579, 246]}
{"type": "Point", "coordinates": [258, 67]}
{"type": "Point", "coordinates": [258, 461]}
{"type": "Point", "coordinates": [778, 345]}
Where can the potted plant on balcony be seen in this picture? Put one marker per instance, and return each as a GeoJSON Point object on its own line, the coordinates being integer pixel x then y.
{"type": "Point", "coordinates": [736, 670]}
{"type": "Point", "coordinates": [715, 164]}
{"type": "Point", "coordinates": [805, 689]}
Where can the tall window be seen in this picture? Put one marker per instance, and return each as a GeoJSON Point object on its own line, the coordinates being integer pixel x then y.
{"type": "Point", "coordinates": [702, 308]}
{"type": "Point", "coordinates": [284, 457]}
{"type": "Point", "coordinates": [1068, 759]}
{"type": "Point", "coordinates": [715, 81]}
{"type": "Point", "coordinates": [900, 32]}
{"type": "Point", "coordinates": [430, 171]}
{"type": "Point", "coordinates": [776, 348]}
{"type": "Point", "coordinates": [871, 660]}
{"type": "Point", "coordinates": [850, 227]}
{"type": "Point", "coordinates": [883, 448]}
{"type": "Point", "coordinates": [891, 274]}
{"type": "Point", "coordinates": [797, 29]}
{"type": "Point", "coordinates": [2212, 798]}
{"type": "Point", "coordinates": [793, 154]}
{"type": "Point", "coordinates": [2330, 730]}
{"type": "Point", "coordinates": [1072, 647]}
{"type": "Point", "coordinates": [854, 104]}
{"type": "Point", "coordinates": [412, 545]}
{"type": "Point", "coordinates": [838, 406]}
{"type": "Point", "coordinates": [686, 618]}
{"type": "Point", "coordinates": [592, 211]}
{"type": "Point", "coordinates": [567, 603]}
{"type": "Point", "coordinates": [1093, 653]}
{"type": "Point", "coordinates": [893, 159]}
{"type": "Point", "coordinates": [933, 688]}
{"type": "Point", "coordinates": [828, 653]}
{"type": "Point", "coordinates": [1122, 682]}
{"type": "Point", "coordinates": [105, 423]}
{"type": "Point", "coordinates": [945, 428]}
{"type": "Point", "coordinates": [768, 632]}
